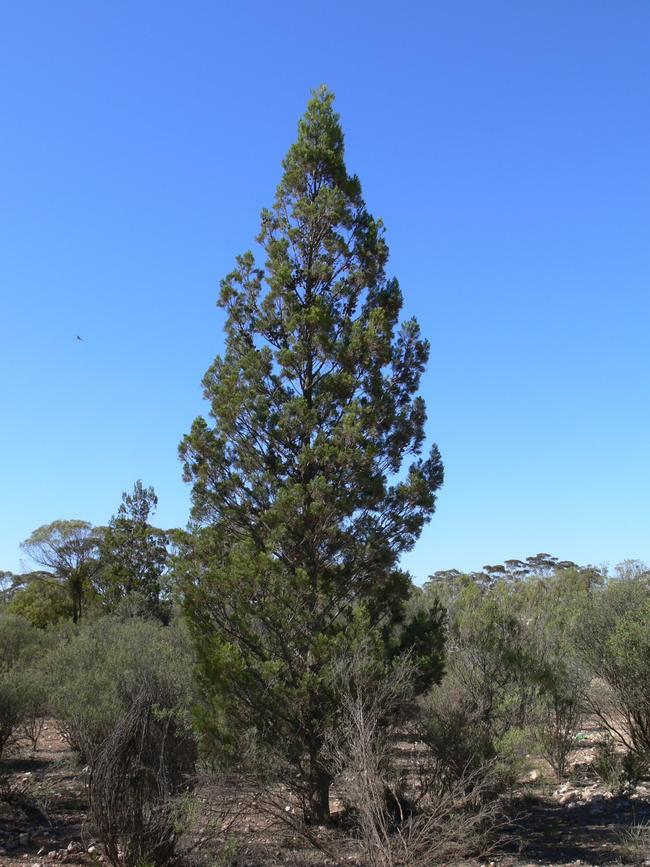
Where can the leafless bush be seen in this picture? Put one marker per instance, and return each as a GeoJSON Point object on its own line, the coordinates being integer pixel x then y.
{"type": "Point", "coordinates": [284, 815]}
{"type": "Point", "coordinates": [139, 780]}
{"type": "Point", "coordinates": [358, 751]}
{"type": "Point", "coordinates": [31, 729]}
{"type": "Point", "coordinates": [224, 805]}
{"type": "Point", "coordinates": [407, 813]}
{"type": "Point", "coordinates": [448, 825]}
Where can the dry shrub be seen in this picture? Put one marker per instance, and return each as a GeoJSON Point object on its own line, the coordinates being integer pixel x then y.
{"type": "Point", "coordinates": [224, 804]}
{"type": "Point", "coordinates": [138, 779]}
{"type": "Point", "coordinates": [407, 812]}
{"type": "Point", "coordinates": [634, 843]}
{"type": "Point", "coordinates": [449, 825]}
{"type": "Point", "coordinates": [284, 816]}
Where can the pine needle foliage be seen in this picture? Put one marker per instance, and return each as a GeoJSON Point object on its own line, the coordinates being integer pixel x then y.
{"type": "Point", "coordinates": [308, 479]}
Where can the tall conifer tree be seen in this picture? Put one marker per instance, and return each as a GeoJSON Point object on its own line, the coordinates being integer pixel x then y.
{"type": "Point", "coordinates": [301, 496]}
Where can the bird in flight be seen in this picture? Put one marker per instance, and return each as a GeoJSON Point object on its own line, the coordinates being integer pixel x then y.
{"type": "Point", "coordinates": [79, 338]}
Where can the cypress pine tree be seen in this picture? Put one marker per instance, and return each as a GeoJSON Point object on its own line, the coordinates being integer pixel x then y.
{"type": "Point", "coordinates": [301, 499]}
{"type": "Point", "coordinates": [134, 557]}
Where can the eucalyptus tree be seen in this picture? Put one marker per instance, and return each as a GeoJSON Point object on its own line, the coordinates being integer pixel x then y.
{"type": "Point", "coordinates": [67, 551]}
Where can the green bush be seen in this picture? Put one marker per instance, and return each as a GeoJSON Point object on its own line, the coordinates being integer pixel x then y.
{"type": "Point", "coordinates": [459, 738]}
{"type": "Point", "coordinates": [97, 672]}
{"type": "Point", "coordinates": [12, 700]}
{"type": "Point", "coordinates": [21, 644]}
{"type": "Point", "coordinates": [614, 641]}
{"type": "Point", "coordinates": [42, 602]}
{"type": "Point", "coordinates": [513, 678]}
{"type": "Point", "coordinates": [22, 693]}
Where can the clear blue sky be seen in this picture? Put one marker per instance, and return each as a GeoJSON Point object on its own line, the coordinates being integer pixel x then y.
{"type": "Point", "coordinates": [507, 147]}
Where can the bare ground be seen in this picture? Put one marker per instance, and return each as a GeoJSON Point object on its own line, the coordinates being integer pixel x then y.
{"type": "Point", "coordinates": [43, 822]}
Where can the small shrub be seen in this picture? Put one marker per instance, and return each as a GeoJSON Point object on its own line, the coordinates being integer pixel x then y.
{"type": "Point", "coordinates": [635, 843]}
{"type": "Point", "coordinates": [464, 740]}
{"type": "Point", "coordinates": [511, 750]}
{"type": "Point", "coordinates": [635, 766]}
{"type": "Point", "coordinates": [22, 693]}
{"type": "Point", "coordinates": [559, 718]}
{"type": "Point", "coordinates": [607, 765]}
{"type": "Point", "coordinates": [453, 728]}
{"type": "Point", "coordinates": [23, 796]}
{"type": "Point", "coordinates": [12, 708]}
{"type": "Point", "coordinates": [408, 811]}
{"type": "Point", "coordinates": [35, 705]}
{"type": "Point", "coordinates": [616, 768]}
{"type": "Point", "coordinates": [139, 772]}
{"type": "Point", "coordinates": [21, 643]}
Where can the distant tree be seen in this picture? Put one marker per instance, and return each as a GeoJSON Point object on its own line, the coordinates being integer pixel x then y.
{"type": "Point", "coordinates": [635, 570]}
{"type": "Point", "coordinates": [538, 566]}
{"type": "Point", "coordinates": [7, 580]}
{"type": "Point", "coordinates": [134, 555]}
{"type": "Point", "coordinates": [315, 408]}
{"type": "Point", "coordinates": [68, 551]}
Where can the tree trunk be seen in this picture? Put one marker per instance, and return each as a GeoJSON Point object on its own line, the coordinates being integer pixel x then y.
{"type": "Point", "coordinates": [318, 808]}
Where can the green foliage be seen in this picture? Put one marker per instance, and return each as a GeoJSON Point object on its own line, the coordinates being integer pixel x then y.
{"type": "Point", "coordinates": [12, 706]}
{"type": "Point", "coordinates": [21, 644]}
{"type": "Point", "coordinates": [134, 558]}
{"type": "Point", "coordinates": [68, 551]}
{"type": "Point", "coordinates": [492, 655]}
{"type": "Point", "coordinates": [558, 718]}
{"type": "Point", "coordinates": [460, 740]}
{"type": "Point", "coordinates": [614, 640]}
{"type": "Point", "coordinates": [607, 764]}
{"type": "Point", "coordinates": [22, 691]}
{"type": "Point", "coordinates": [43, 602]}
{"type": "Point", "coordinates": [300, 521]}
{"type": "Point", "coordinates": [512, 571]}
{"type": "Point", "coordinates": [512, 669]}
{"type": "Point", "coordinates": [97, 672]}
{"type": "Point", "coordinates": [422, 636]}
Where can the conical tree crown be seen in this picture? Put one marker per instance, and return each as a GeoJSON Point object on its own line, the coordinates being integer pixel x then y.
{"type": "Point", "coordinates": [314, 401]}
{"type": "Point", "coordinates": [300, 495]}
